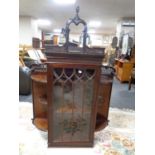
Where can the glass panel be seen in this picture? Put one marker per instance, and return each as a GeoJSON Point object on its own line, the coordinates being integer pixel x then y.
{"type": "Point", "coordinates": [72, 103]}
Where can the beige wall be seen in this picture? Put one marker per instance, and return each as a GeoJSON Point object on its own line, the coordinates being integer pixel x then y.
{"type": "Point", "coordinates": [102, 40]}
{"type": "Point", "coordinates": [28, 28]}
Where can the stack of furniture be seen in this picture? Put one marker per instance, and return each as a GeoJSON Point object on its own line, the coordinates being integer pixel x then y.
{"type": "Point", "coordinates": [71, 92]}
{"type": "Point", "coordinates": [28, 57]}
{"type": "Point", "coordinates": [24, 71]}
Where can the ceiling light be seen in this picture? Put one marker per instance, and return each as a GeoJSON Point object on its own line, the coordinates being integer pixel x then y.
{"type": "Point", "coordinates": [57, 30]}
{"type": "Point", "coordinates": [94, 24]}
{"type": "Point", "coordinates": [64, 2]}
{"type": "Point", "coordinates": [43, 22]}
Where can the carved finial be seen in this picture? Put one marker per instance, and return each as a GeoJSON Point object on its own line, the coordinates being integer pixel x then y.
{"type": "Point", "coordinates": [77, 10]}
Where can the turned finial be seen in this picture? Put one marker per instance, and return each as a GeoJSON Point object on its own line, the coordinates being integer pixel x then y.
{"type": "Point", "coordinates": [77, 10]}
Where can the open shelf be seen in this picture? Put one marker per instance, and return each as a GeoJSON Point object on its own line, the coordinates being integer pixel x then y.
{"type": "Point", "coordinates": [41, 123]}
{"type": "Point", "coordinates": [39, 77]}
{"type": "Point", "coordinates": [43, 100]}
{"type": "Point", "coordinates": [101, 122]}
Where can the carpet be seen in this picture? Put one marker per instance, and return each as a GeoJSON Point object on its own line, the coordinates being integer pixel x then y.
{"type": "Point", "coordinates": [116, 139]}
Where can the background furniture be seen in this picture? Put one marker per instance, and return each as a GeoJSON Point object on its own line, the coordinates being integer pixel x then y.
{"type": "Point", "coordinates": [123, 69]}
{"type": "Point", "coordinates": [24, 57]}
{"type": "Point", "coordinates": [132, 78]}
{"type": "Point", "coordinates": [24, 80]}
{"type": "Point", "coordinates": [36, 42]}
{"type": "Point", "coordinates": [28, 57]}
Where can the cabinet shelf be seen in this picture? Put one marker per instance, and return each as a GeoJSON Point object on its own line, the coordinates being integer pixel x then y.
{"type": "Point", "coordinates": [101, 122]}
{"type": "Point", "coordinates": [43, 100]}
{"type": "Point", "coordinates": [41, 123]}
{"type": "Point", "coordinates": [39, 77]}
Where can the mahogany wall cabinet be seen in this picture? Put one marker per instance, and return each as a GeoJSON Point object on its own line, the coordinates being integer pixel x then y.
{"type": "Point", "coordinates": [75, 97]}
{"type": "Point", "coordinates": [70, 94]}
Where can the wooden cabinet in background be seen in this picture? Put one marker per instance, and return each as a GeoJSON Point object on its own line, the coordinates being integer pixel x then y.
{"type": "Point", "coordinates": [55, 39]}
{"type": "Point", "coordinates": [123, 69]}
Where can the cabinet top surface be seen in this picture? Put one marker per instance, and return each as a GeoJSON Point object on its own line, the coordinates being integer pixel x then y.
{"type": "Point", "coordinates": [39, 77]}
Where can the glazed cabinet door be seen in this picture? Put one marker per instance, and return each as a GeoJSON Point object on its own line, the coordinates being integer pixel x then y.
{"type": "Point", "coordinates": [72, 104]}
